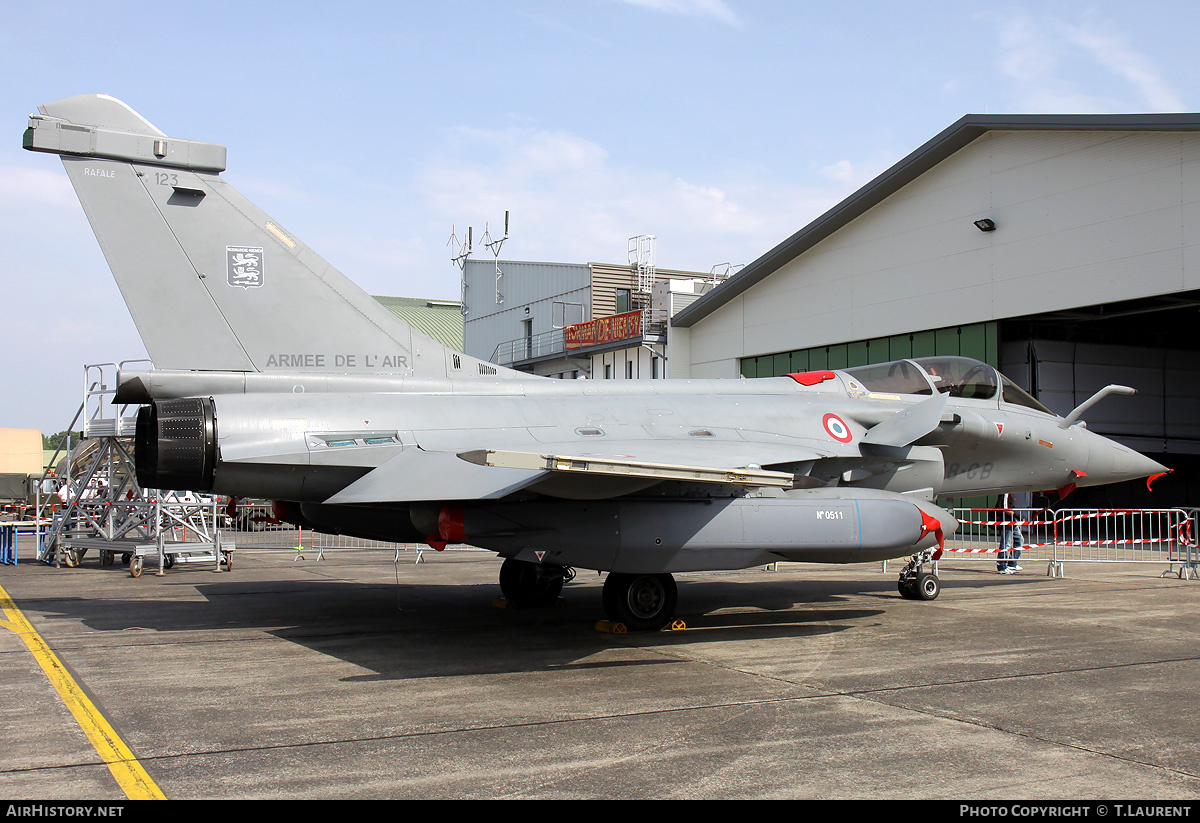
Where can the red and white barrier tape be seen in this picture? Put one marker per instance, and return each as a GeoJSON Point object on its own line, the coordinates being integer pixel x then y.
{"type": "Point", "coordinates": [1125, 542]}
{"type": "Point", "coordinates": [1068, 519]}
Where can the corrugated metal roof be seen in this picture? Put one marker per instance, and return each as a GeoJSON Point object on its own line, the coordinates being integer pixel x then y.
{"type": "Point", "coordinates": [960, 134]}
{"type": "Point", "coordinates": [440, 319]}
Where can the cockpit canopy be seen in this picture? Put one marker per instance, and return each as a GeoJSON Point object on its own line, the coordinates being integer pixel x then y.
{"type": "Point", "coordinates": [956, 376]}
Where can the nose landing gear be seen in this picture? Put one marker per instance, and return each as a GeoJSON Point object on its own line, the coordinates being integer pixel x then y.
{"type": "Point", "coordinates": [915, 582]}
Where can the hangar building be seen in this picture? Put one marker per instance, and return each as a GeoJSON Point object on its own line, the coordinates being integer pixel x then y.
{"type": "Point", "coordinates": [1064, 249]}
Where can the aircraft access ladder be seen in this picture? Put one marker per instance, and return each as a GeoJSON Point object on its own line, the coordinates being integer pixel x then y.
{"type": "Point", "coordinates": [105, 509]}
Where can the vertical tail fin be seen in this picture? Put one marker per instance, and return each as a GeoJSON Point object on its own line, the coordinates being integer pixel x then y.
{"type": "Point", "coordinates": [212, 282]}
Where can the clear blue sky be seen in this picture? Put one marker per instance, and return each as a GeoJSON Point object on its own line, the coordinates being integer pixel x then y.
{"type": "Point", "coordinates": [369, 129]}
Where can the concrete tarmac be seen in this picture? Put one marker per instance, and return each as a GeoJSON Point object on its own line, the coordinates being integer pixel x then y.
{"type": "Point", "coordinates": [355, 677]}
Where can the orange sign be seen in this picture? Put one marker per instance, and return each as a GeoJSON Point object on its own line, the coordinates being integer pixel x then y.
{"type": "Point", "coordinates": [603, 330]}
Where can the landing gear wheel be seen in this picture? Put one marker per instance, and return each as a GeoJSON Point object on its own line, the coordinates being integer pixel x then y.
{"type": "Point", "coordinates": [135, 566]}
{"type": "Point", "coordinates": [643, 602]}
{"type": "Point", "coordinates": [917, 584]}
{"type": "Point", "coordinates": [531, 584]}
{"type": "Point", "coordinates": [928, 587]}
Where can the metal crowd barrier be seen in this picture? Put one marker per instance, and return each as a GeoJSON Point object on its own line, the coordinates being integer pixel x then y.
{"type": "Point", "coordinates": [248, 526]}
{"type": "Point", "coordinates": [8, 544]}
{"type": "Point", "coordinates": [12, 533]}
{"type": "Point", "coordinates": [253, 525]}
{"type": "Point", "coordinates": [1164, 536]}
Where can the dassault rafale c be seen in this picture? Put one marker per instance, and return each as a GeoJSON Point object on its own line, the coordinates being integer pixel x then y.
{"type": "Point", "coordinates": [274, 376]}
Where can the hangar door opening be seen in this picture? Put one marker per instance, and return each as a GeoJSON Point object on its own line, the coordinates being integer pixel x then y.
{"type": "Point", "coordinates": [1150, 345]}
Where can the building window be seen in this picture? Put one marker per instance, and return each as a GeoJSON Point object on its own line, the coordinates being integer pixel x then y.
{"type": "Point", "coordinates": [623, 301]}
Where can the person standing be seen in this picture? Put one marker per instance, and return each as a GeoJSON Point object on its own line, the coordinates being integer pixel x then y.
{"type": "Point", "coordinates": [1012, 537]}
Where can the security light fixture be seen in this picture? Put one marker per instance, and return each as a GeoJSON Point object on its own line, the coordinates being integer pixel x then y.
{"type": "Point", "coordinates": [986, 224]}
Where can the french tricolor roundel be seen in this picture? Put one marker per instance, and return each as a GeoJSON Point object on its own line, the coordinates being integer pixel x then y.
{"type": "Point", "coordinates": [836, 428]}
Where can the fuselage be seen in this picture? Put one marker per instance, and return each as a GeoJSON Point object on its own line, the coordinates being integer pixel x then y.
{"type": "Point", "coordinates": [303, 437]}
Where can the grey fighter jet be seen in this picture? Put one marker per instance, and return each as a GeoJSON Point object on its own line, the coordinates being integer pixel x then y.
{"type": "Point", "coordinates": [275, 376]}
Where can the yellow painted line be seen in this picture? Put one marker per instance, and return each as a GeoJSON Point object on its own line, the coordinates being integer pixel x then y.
{"type": "Point", "coordinates": [125, 768]}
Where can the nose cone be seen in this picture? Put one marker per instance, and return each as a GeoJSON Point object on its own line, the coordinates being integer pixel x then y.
{"type": "Point", "coordinates": [1110, 462]}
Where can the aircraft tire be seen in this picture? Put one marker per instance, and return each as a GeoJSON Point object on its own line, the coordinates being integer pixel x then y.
{"type": "Point", "coordinates": [928, 587]}
{"type": "Point", "coordinates": [907, 590]}
{"type": "Point", "coordinates": [531, 584]}
{"type": "Point", "coordinates": [643, 602]}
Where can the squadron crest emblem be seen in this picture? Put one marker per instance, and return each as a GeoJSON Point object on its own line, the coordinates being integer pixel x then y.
{"type": "Point", "coordinates": [244, 266]}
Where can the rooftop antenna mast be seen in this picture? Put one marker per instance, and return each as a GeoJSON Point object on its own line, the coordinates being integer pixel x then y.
{"type": "Point", "coordinates": [462, 250]}
{"type": "Point", "coordinates": [494, 247]}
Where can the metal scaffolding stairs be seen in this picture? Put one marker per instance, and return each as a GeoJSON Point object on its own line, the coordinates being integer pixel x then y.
{"type": "Point", "coordinates": [104, 507]}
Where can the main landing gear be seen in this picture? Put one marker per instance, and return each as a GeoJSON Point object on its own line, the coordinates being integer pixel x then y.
{"type": "Point", "coordinates": [643, 602]}
{"type": "Point", "coordinates": [533, 584]}
{"type": "Point", "coordinates": [915, 582]}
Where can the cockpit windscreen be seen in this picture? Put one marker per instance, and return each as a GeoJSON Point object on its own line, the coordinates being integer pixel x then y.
{"type": "Point", "coordinates": [896, 377]}
{"type": "Point", "coordinates": [960, 376]}
{"type": "Point", "coordinates": [955, 376]}
{"type": "Point", "coordinates": [1016, 395]}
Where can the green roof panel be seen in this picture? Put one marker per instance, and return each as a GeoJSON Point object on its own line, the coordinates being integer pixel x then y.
{"type": "Point", "coordinates": [440, 319]}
